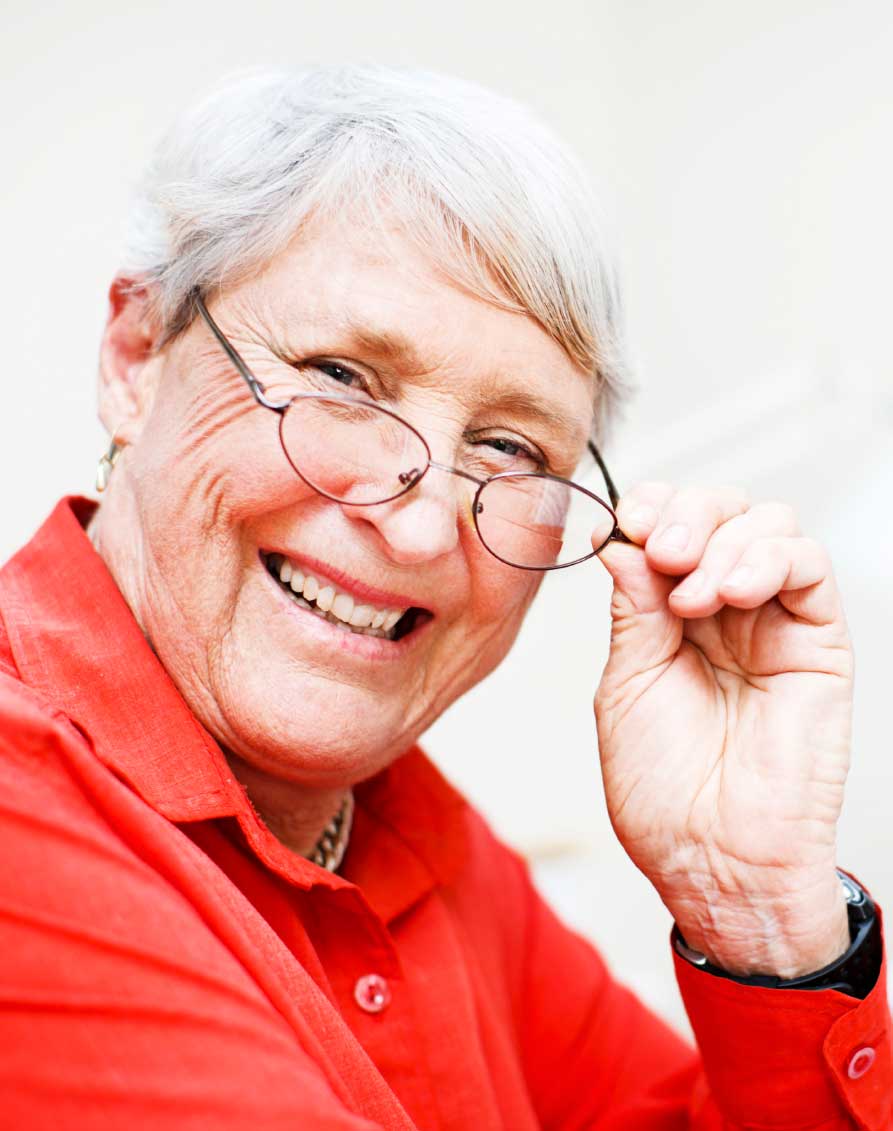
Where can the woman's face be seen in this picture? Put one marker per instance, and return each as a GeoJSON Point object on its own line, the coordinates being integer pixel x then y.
{"type": "Point", "coordinates": [203, 496]}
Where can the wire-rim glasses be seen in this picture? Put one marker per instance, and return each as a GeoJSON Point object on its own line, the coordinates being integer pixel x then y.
{"type": "Point", "coordinates": [360, 453]}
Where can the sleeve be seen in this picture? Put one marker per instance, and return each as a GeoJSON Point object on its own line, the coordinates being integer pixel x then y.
{"type": "Point", "coordinates": [793, 1058]}
{"type": "Point", "coordinates": [767, 1059]}
{"type": "Point", "coordinates": [118, 1007]}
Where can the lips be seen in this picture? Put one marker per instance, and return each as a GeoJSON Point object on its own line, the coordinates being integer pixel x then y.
{"type": "Point", "coordinates": [332, 601]}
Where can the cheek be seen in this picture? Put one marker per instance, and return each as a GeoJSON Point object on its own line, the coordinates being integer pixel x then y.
{"type": "Point", "coordinates": [215, 463]}
{"type": "Point", "coordinates": [201, 490]}
{"type": "Point", "coordinates": [500, 598]}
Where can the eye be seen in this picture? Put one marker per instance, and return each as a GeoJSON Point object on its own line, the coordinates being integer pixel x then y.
{"type": "Point", "coordinates": [511, 448]}
{"type": "Point", "coordinates": [490, 455]}
{"type": "Point", "coordinates": [320, 376]}
{"type": "Point", "coordinates": [340, 374]}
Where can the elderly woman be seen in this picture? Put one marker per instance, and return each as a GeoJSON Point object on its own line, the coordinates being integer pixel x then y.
{"type": "Point", "coordinates": [365, 331]}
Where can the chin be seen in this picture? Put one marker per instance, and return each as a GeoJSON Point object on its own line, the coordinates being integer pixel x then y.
{"type": "Point", "coordinates": [319, 733]}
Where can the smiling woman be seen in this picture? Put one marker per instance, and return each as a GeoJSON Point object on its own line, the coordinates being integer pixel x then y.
{"type": "Point", "coordinates": [365, 331]}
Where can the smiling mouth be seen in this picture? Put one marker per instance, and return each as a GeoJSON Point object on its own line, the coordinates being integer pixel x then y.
{"type": "Point", "coordinates": [340, 609]}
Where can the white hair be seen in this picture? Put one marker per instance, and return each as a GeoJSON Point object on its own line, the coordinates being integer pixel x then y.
{"type": "Point", "coordinates": [482, 186]}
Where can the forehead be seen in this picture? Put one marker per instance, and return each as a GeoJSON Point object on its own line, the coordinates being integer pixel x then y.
{"type": "Point", "coordinates": [344, 285]}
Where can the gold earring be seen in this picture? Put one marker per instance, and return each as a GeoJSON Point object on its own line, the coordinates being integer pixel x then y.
{"type": "Point", "coordinates": [105, 465]}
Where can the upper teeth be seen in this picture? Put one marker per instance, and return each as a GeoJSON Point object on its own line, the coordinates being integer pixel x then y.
{"type": "Point", "coordinates": [330, 600]}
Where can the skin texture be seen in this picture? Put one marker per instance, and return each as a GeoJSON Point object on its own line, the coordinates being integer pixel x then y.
{"type": "Point", "coordinates": [724, 724]}
{"type": "Point", "coordinates": [719, 714]}
{"type": "Point", "coordinates": [202, 485]}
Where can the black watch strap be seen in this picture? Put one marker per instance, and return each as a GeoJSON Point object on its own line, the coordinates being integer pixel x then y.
{"type": "Point", "coordinates": [854, 973]}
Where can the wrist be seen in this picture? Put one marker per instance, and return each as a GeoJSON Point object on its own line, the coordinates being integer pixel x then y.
{"type": "Point", "coordinates": [775, 935]}
{"type": "Point", "coordinates": [855, 972]}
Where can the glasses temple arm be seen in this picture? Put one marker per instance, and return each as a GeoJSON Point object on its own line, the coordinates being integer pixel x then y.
{"type": "Point", "coordinates": [253, 384]}
{"type": "Point", "coordinates": [613, 493]}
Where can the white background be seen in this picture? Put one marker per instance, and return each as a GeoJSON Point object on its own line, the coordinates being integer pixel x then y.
{"type": "Point", "coordinates": [744, 151]}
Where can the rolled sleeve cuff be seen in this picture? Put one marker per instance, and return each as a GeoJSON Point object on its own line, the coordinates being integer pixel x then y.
{"type": "Point", "coordinates": [779, 1058]}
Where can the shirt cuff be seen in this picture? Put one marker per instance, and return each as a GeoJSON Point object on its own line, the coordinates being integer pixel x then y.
{"type": "Point", "coordinates": [787, 1057]}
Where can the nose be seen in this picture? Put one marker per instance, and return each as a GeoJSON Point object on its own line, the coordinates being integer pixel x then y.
{"type": "Point", "coordinates": [422, 524]}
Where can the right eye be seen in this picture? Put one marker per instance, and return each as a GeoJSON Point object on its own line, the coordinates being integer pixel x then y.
{"type": "Point", "coordinates": [324, 376]}
{"type": "Point", "coordinates": [341, 374]}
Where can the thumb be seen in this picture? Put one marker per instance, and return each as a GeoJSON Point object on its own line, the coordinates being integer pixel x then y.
{"type": "Point", "coordinates": [644, 632]}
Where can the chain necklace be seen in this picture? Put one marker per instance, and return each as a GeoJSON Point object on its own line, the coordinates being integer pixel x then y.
{"type": "Point", "coordinates": [332, 844]}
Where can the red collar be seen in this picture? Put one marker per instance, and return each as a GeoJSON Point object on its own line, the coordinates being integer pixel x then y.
{"type": "Point", "coordinates": [73, 639]}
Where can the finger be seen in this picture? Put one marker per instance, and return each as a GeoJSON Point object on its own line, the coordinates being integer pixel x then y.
{"type": "Point", "coordinates": [698, 594]}
{"type": "Point", "coordinates": [638, 512]}
{"type": "Point", "coordinates": [644, 630]}
{"type": "Point", "coordinates": [687, 521]}
{"type": "Point", "coordinates": [796, 570]}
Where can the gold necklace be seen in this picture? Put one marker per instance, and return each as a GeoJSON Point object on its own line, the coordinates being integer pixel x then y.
{"type": "Point", "coordinates": [332, 844]}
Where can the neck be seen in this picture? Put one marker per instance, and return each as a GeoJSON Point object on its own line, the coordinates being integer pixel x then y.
{"type": "Point", "coordinates": [295, 815]}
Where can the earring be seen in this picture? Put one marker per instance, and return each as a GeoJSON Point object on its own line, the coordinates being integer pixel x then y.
{"type": "Point", "coordinates": [105, 465]}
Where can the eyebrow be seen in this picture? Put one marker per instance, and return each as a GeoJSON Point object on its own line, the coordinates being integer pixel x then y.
{"type": "Point", "coordinates": [390, 345]}
{"type": "Point", "coordinates": [527, 403]}
{"type": "Point", "coordinates": [398, 350]}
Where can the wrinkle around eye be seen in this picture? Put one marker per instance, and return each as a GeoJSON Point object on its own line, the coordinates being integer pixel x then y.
{"type": "Point", "coordinates": [211, 411]}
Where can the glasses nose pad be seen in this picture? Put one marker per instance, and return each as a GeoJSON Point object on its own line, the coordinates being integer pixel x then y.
{"type": "Point", "coordinates": [410, 478]}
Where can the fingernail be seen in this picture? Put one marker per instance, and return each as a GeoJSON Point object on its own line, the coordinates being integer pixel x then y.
{"type": "Point", "coordinates": [692, 584]}
{"type": "Point", "coordinates": [643, 515]}
{"type": "Point", "coordinates": [738, 577]}
{"type": "Point", "coordinates": [675, 537]}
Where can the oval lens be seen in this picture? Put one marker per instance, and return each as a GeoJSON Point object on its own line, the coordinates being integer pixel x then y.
{"type": "Point", "coordinates": [351, 451]}
{"type": "Point", "coordinates": [539, 522]}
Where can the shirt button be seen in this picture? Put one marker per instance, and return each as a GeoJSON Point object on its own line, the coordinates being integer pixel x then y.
{"type": "Point", "coordinates": [860, 1062]}
{"type": "Point", "coordinates": [372, 993]}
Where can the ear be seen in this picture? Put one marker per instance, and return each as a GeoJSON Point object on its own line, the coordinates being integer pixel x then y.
{"type": "Point", "coordinates": [128, 367]}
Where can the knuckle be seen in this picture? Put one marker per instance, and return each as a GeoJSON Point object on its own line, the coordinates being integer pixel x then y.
{"type": "Point", "coordinates": [718, 501]}
{"type": "Point", "coordinates": [689, 504]}
{"type": "Point", "coordinates": [692, 494]}
{"type": "Point", "coordinates": [734, 498]}
{"type": "Point", "coordinates": [781, 514]}
{"type": "Point", "coordinates": [732, 532]}
{"type": "Point", "coordinates": [779, 548]}
{"type": "Point", "coordinates": [817, 550]}
{"type": "Point", "coordinates": [773, 549]}
{"type": "Point", "coordinates": [649, 491]}
{"type": "Point", "coordinates": [648, 498]}
{"type": "Point", "coordinates": [717, 511]}
{"type": "Point", "coordinates": [734, 501]}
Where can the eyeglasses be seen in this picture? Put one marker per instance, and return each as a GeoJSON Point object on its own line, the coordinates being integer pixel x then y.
{"type": "Point", "coordinates": [357, 452]}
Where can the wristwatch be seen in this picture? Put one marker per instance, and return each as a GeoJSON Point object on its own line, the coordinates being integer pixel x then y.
{"type": "Point", "coordinates": [854, 973]}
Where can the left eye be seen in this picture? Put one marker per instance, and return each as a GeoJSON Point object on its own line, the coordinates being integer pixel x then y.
{"type": "Point", "coordinates": [490, 455]}
{"type": "Point", "coordinates": [509, 447]}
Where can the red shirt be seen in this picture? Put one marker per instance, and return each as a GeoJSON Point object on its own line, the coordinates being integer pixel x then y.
{"type": "Point", "coordinates": [166, 962]}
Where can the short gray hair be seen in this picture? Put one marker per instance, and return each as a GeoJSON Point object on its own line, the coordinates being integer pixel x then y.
{"type": "Point", "coordinates": [482, 186]}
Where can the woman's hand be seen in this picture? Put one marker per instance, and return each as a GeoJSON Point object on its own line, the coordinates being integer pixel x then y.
{"type": "Point", "coordinates": [724, 724]}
